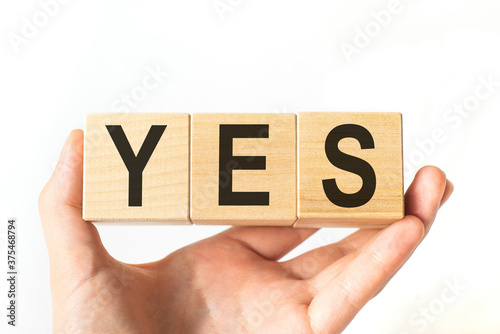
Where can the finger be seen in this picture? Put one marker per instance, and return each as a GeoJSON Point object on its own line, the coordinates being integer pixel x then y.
{"type": "Point", "coordinates": [425, 194]}
{"type": "Point", "coordinates": [446, 195]}
{"type": "Point", "coordinates": [315, 261]}
{"type": "Point", "coordinates": [428, 191]}
{"type": "Point", "coordinates": [271, 243]}
{"type": "Point", "coordinates": [68, 237]}
{"type": "Point", "coordinates": [340, 300]}
{"type": "Point", "coordinates": [429, 183]}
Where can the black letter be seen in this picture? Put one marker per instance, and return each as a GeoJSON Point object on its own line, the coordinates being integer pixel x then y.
{"type": "Point", "coordinates": [350, 164]}
{"type": "Point", "coordinates": [135, 164]}
{"type": "Point", "coordinates": [228, 162]}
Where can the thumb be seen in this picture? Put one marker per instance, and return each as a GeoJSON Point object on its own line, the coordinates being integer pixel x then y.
{"type": "Point", "coordinates": [71, 241]}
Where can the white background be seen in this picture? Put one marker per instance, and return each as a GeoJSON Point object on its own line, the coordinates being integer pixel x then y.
{"type": "Point", "coordinates": [268, 56]}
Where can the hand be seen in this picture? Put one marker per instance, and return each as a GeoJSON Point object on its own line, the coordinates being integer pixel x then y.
{"type": "Point", "coordinates": [229, 283]}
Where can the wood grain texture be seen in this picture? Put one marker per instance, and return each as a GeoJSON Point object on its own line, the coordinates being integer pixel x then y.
{"type": "Point", "coordinates": [165, 188]}
{"type": "Point", "coordinates": [387, 203]}
{"type": "Point", "coordinates": [278, 178]}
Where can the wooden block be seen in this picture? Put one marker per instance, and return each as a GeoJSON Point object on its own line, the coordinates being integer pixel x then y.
{"type": "Point", "coordinates": [243, 169]}
{"type": "Point", "coordinates": [137, 167]}
{"type": "Point", "coordinates": [350, 169]}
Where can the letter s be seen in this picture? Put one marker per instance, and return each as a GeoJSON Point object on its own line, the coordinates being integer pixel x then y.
{"type": "Point", "coordinates": [350, 164]}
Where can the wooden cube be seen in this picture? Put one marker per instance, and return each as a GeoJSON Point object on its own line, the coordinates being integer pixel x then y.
{"type": "Point", "coordinates": [243, 169]}
{"type": "Point", "coordinates": [136, 167]}
{"type": "Point", "coordinates": [350, 169]}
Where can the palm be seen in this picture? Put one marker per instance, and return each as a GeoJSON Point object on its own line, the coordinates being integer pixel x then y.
{"type": "Point", "coordinates": [233, 289]}
{"type": "Point", "coordinates": [230, 283]}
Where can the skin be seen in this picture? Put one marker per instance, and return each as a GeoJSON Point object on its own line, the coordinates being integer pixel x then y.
{"type": "Point", "coordinates": [229, 283]}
